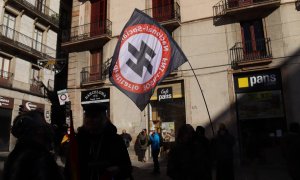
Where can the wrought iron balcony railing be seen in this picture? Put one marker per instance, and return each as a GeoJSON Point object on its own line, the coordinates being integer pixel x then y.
{"type": "Point", "coordinates": [165, 13]}
{"type": "Point", "coordinates": [95, 73]}
{"type": "Point", "coordinates": [87, 31]}
{"type": "Point", "coordinates": [5, 78]}
{"type": "Point", "coordinates": [39, 9]}
{"type": "Point", "coordinates": [223, 6]}
{"type": "Point", "coordinates": [25, 43]}
{"type": "Point", "coordinates": [251, 52]}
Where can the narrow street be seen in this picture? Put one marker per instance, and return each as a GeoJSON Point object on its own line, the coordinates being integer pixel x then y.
{"type": "Point", "coordinates": [143, 171]}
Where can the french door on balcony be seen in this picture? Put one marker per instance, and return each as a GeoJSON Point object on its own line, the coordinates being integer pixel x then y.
{"type": "Point", "coordinates": [163, 10]}
{"type": "Point", "coordinates": [254, 42]}
{"type": "Point", "coordinates": [8, 27]}
{"type": "Point", "coordinates": [38, 39]}
{"type": "Point", "coordinates": [40, 5]}
{"type": "Point", "coordinates": [4, 67]}
{"type": "Point", "coordinates": [98, 17]}
{"type": "Point", "coordinates": [96, 65]}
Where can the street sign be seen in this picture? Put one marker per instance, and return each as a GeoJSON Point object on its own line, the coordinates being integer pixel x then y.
{"type": "Point", "coordinates": [63, 96]}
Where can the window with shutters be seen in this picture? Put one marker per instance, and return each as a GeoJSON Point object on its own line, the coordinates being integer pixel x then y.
{"type": "Point", "coordinates": [254, 43]}
{"type": "Point", "coordinates": [96, 65]}
{"type": "Point", "coordinates": [163, 10]}
{"type": "Point", "coordinates": [98, 17]}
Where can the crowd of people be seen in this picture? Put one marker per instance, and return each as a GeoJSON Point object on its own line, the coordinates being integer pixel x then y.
{"type": "Point", "coordinates": [103, 154]}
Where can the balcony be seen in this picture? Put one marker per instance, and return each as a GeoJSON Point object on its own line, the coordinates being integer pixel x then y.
{"type": "Point", "coordinates": [5, 78]}
{"type": "Point", "coordinates": [44, 13]}
{"type": "Point", "coordinates": [87, 36]}
{"type": "Point", "coordinates": [36, 88]}
{"type": "Point", "coordinates": [19, 44]}
{"type": "Point", "coordinates": [97, 74]}
{"type": "Point", "coordinates": [168, 16]}
{"type": "Point", "coordinates": [230, 11]}
{"type": "Point", "coordinates": [297, 4]}
{"type": "Point", "coordinates": [251, 53]}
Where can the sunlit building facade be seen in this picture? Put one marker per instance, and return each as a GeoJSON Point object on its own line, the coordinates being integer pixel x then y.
{"type": "Point", "coordinates": [28, 33]}
{"type": "Point", "coordinates": [245, 55]}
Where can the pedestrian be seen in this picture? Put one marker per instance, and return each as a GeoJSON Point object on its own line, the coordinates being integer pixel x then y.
{"type": "Point", "coordinates": [186, 160]}
{"type": "Point", "coordinates": [205, 145]}
{"type": "Point", "coordinates": [31, 158]}
{"type": "Point", "coordinates": [223, 152]}
{"type": "Point", "coordinates": [126, 138]}
{"type": "Point", "coordinates": [102, 153]}
{"type": "Point", "coordinates": [141, 144]}
{"type": "Point", "coordinates": [291, 150]}
{"type": "Point", "coordinates": [155, 142]}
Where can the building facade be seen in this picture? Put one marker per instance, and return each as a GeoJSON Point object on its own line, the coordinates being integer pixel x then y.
{"type": "Point", "coordinates": [28, 34]}
{"type": "Point", "coordinates": [245, 55]}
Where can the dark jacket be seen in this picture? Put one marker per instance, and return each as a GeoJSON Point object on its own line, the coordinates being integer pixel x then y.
{"type": "Point", "coordinates": [187, 161]}
{"type": "Point", "coordinates": [31, 161]}
{"type": "Point", "coordinates": [97, 152]}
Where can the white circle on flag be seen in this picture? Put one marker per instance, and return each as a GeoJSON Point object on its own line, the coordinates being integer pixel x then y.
{"type": "Point", "coordinates": [124, 56]}
{"type": "Point", "coordinates": [143, 59]}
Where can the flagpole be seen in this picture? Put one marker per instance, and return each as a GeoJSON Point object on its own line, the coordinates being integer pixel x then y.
{"type": "Point", "coordinates": [212, 128]}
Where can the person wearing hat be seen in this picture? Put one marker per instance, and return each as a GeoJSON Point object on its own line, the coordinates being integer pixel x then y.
{"type": "Point", "coordinates": [102, 152]}
{"type": "Point", "coordinates": [31, 158]}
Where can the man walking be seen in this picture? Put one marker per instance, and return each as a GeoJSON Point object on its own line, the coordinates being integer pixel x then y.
{"type": "Point", "coordinates": [155, 148]}
{"type": "Point", "coordinates": [126, 137]}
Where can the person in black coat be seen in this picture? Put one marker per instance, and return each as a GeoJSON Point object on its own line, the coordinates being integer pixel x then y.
{"type": "Point", "coordinates": [31, 158]}
{"type": "Point", "coordinates": [186, 160]}
{"type": "Point", "coordinates": [223, 152]}
{"type": "Point", "coordinates": [102, 152]}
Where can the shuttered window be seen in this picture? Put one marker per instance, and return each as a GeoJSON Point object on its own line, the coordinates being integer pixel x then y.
{"type": "Point", "coordinates": [98, 17]}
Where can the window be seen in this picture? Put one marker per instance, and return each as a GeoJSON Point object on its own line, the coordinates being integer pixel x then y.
{"type": "Point", "coordinates": [98, 17]}
{"type": "Point", "coordinates": [35, 73]}
{"type": "Point", "coordinates": [95, 65]}
{"type": "Point", "coordinates": [38, 39]}
{"type": "Point", "coordinates": [163, 9]}
{"type": "Point", "coordinates": [9, 22]}
{"type": "Point", "coordinates": [40, 5]}
{"type": "Point", "coordinates": [253, 37]}
{"type": "Point", "coordinates": [4, 67]}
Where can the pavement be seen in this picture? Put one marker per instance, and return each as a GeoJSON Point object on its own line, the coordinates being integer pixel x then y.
{"type": "Point", "coordinates": [255, 171]}
{"type": "Point", "coordinates": [143, 171]}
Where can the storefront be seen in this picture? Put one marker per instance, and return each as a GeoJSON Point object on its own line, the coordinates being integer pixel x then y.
{"type": "Point", "coordinates": [101, 96]}
{"type": "Point", "coordinates": [29, 106]}
{"type": "Point", "coordinates": [167, 109]}
{"type": "Point", "coordinates": [260, 113]}
{"type": "Point", "coordinates": [6, 107]}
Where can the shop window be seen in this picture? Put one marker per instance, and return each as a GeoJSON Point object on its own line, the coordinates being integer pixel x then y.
{"type": "Point", "coordinates": [5, 121]}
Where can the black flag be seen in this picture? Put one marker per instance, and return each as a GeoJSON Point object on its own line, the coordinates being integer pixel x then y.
{"type": "Point", "coordinates": [145, 54]}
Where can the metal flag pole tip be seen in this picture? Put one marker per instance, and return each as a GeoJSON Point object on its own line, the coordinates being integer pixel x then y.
{"type": "Point", "coordinates": [212, 127]}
